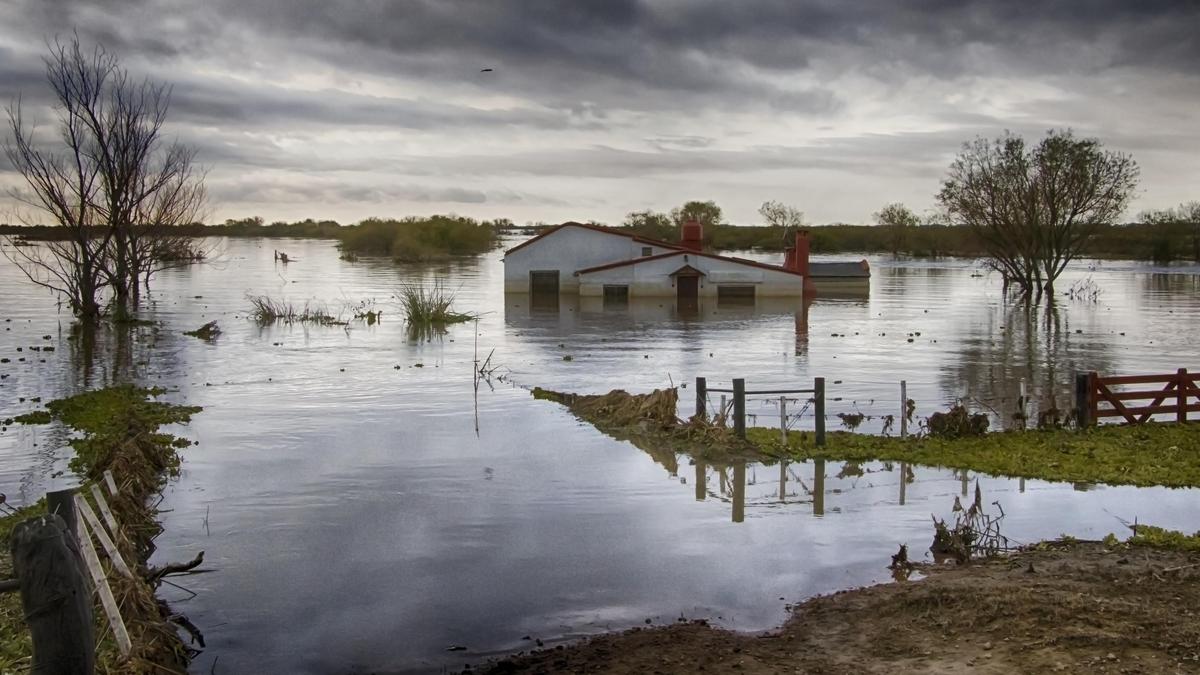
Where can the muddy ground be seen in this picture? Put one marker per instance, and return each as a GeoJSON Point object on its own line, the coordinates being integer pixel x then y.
{"type": "Point", "coordinates": [1078, 608]}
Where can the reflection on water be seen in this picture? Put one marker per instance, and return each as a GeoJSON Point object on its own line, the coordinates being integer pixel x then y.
{"type": "Point", "coordinates": [329, 456]}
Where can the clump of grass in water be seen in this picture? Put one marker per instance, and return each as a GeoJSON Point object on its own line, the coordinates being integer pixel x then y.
{"type": "Point", "coordinates": [266, 310]}
{"type": "Point", "coordinates": [429, 310]}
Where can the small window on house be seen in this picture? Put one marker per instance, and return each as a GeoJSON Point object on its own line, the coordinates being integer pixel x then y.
{"type": "Point", "coordinates": [616, 296]}
{"type": "Point", "coordinates": [735, 295]}
{"type": "Point", "coordinates": [646, 251]}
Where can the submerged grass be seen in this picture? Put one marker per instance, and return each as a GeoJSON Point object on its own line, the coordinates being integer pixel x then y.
{"type": "Point", "coordinates": [1165, 454]}
{"type": "Point", "coordinates": [429, 309]}
{"type": "Point", "coordinates": [266, 310]}
{"type": "Point", "coordinates": [119, 430]}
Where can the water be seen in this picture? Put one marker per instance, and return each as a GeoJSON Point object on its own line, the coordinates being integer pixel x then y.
{"type": "Point", "coordinates": [357, 521]}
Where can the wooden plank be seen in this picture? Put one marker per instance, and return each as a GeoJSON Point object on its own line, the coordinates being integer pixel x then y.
{"type": "Point", "coordinates": [1142, 394]}
{"type": "Point", "coordinates": [110, 548]}
{"type": "Point", "coordinates": [1104, 393]}
{"type": "Point", "coordinates": [1181, 396]}
{"type": "Point", "coordinates": [102, 504]}
{"type": "Point", "coordinates": [1151, 410]}
{"type": "Point", "coordinates": [112, 484]}
{"type": "Point", "coordinates": [1136, 379]}
{"type": "Point", "coordinates": [54, 596]}
{"type": "Point", "coordinates": [1158, 400]}
{"type": "Point", "coordinates": [107, 601]}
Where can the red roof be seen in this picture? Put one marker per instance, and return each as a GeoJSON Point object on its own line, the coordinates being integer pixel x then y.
{"type": "Point", "coordinates": [660, 256]}
{"type": "Point", "coordinates": [597, 228]}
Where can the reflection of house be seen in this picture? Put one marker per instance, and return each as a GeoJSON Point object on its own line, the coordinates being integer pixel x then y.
{"type": "Point", "coordinates": [596, 261]}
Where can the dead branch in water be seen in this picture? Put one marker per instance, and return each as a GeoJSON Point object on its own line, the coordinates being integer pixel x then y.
{"type": "Point", "coordinates": [155, 575]}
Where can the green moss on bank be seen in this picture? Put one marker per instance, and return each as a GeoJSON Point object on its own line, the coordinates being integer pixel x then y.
{"type": "Point", "coordinates": [119, 429]}
{"type": "Point", "coordinates": [1157, 537]}
{"type": "Point", "coordinates": [1151, 454]}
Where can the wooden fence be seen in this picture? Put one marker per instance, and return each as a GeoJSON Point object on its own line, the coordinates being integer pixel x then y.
{"type": "Point", "coordinates": [1177, 394]}
{"type": "Point", "coordinates": [739, 404]}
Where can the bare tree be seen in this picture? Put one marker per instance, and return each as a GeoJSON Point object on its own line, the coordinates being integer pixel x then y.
{"type": "Point", "coordinates": [64, 185]}
{"type": "Point", "coordinates": [1035, 209]}
{"type": "Point", "coordinates": [131, 186]}
{"type": "Point", "coordinates": [778, 214]}
{"type": "Point", "coordinates": [175, 196]}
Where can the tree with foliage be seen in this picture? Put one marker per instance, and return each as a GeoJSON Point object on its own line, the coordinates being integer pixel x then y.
{"type": "Point", "coordinates": [706, 213]}
{"type": "Point", "coordinates": [898, 218]}
{"type": "Point", "coordinates": [651, 224]}
{"type": "Point", "coordinates": [115, 184]}
{"type": "Point", "coordinates": [1035, 208]}
{"type": "Point", "coordinates": [1183, 218]}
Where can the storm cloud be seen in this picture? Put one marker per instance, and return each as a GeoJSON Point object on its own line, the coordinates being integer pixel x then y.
{"type": "Point", "coordinates": [595, 108]}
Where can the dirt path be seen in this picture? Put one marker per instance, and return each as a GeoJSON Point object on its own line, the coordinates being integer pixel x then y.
{"type": "Point", "coordinates": [1071, 609]}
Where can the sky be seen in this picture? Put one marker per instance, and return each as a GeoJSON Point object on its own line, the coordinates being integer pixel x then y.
{"type": "Point", "coordinates": [596, 108]}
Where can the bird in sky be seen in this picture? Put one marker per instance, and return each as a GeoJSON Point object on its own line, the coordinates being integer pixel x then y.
{"type": "Point", "coordinates": [485, 70]}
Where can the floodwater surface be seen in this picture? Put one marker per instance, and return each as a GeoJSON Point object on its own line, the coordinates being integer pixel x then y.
{"type": "Point", "coordinates": [363, 508]}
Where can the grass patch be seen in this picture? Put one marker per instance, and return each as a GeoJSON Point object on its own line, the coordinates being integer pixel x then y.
{"type": "Point", "coordinates": [1157, 537]}
{"type": "Point", "coordinates": [16, 646]}
{"type": "Point", "coordinates": [1163, 454]}
{"type": "Point", "coordinates": [266, 310]}
{"type": "Point", "coordinates": [429, 309]}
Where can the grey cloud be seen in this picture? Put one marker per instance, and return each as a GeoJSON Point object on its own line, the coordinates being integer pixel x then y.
{"type": "Point", "coordinates": [336, 191]}
{"type": "Point", "coordinates": [207, 101]}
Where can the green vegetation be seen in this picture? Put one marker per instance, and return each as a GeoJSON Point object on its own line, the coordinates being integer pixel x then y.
{"type": "Point", "coordinates": [429, 310]}
{"type": "Point", "coordinates": [1161, 236]}
{"type": "Point", "coordinates": [1157, 537]}
{"type": "Point", "coordinates": [108, 417]}
{"type": "Point", "coordinates": [419, 239]}
{"type": "Point", "coordinates": [266, 310]}
{"type": "Point", "coordinates": [16, 646]}
{"type": "Point", "coordinates": [119, 431]}
{"type": "Point", "coordinates": [1153, 454]}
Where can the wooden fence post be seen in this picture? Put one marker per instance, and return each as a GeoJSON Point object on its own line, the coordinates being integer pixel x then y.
{"type": "Point", "coordinates": [54, 596]}
{"type": "Point", "coordinates": [62, 503]}
{"type": "Point", "coordinates": [903, 408]}
{"type": "Point", "coordinates": [783, 420]}
{"type": "Point", "coordinates": [819, 408]}
{"type": "Point", "coordinates": [739, 407]}
{"type": "Point", "coordinates": [818, 491]}
{"type": "Point", "coordinates": [739, 492]}
{"type": "Point", "coordinates": [1083, 395]}
{"type": "Point", "coordinates": [1093, 397]}
{"type": "Point", "coordinates": [1181, 391]}
{"type": "Point", "coordinates": [701, 398]}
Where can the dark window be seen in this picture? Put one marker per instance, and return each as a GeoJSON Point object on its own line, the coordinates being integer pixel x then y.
{"type": "Point", "coordinates": [735, 295]}
{"type": "Point", "coordinates": [646, 250]}
{"type": "Point", "coordinates": [543, 282]}
{"type": "Point", "coordinates": [616, 296]}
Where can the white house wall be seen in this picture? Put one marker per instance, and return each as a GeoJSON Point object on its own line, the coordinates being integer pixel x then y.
{"type": "Point", "coordinates": [652, 278]}
{"type": "Point", "coordinates": [567, 250]}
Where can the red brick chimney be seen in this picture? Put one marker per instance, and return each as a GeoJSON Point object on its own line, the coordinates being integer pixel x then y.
{"type": "Point", "coordinates": [796, 257]}
{"type": "Point", "coordinates": [692, 235]}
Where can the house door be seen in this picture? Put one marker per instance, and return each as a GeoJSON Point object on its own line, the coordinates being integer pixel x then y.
{"type": "Point", "coordinates": [543, 290]}
{"type": "Point", "coordinates": [687, 291]}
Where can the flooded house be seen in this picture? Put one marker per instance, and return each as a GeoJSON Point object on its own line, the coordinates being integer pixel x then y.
{"type": "Point", "coordinates": [593, 261]}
